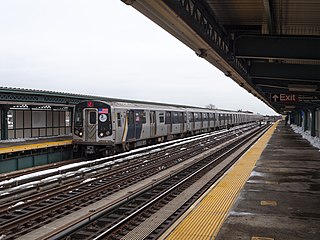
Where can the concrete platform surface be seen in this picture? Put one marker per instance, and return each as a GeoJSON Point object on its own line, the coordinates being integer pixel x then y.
{"type": "Point", "coordinates": [13, 143]}
{"type": "Point", "coordinates": [281, 199]}
{"type": "Point", "coordinates": [31, 144]}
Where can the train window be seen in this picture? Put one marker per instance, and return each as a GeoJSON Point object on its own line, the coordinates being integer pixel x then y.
{"type": "Point", "coordinates": [180, 117]}
{"type": "Point", "coordinates": [78, 118]}
{"type": "Point", "coordinates": [131, 117]}
{"type": "Point", "coordinates": [175, 118]}
{"type": "Point", "coordinates": [196, 117]}
{"type": "Point", "coordinates": [161, 117]}
{"type": "Point", "coordinates": [137, 117]}
{"type": "Point", "coordinates": [144, 119]}
{"type": "Point", "coordinates": [93, 118]}
{"type": "Point", "coordinates": [119, 119]}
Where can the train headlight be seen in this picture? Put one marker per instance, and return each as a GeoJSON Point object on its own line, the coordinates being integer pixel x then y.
{"type": "Point", "coordinates": [80, 134]}
{"type": "Point", "coordinates": [76, 132]}
{"type": "Point", "coordinates": [101, 134]}
{"type": "Point", "coordinates": [107, 133]}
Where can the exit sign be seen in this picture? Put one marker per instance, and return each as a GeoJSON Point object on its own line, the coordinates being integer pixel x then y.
{"type": "Point", "coordinates": [284, 97]}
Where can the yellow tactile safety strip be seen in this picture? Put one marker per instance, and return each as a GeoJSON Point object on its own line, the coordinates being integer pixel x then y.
{"type": "Point", "coordinates": [205, 220]}
{"type": "Point", "coordinates": [34, 146]}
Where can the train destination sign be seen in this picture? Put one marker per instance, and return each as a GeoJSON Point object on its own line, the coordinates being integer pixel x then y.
{"type": "Point", "coordinates": [287, 98]}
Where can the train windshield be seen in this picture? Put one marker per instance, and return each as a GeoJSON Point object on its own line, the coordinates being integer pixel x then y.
{"type": "Point", "coordinates": [78, 117]}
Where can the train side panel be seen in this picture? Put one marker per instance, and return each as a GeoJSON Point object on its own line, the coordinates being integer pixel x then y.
{"type": "Point", "coordinates": [106, 127]}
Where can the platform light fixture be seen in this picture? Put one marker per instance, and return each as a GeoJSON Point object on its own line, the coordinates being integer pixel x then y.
{"type": "Point", "coordinates": [289, 107]}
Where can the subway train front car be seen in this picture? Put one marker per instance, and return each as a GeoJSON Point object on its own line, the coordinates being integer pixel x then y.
{"type": "Point", "coordinates": [92, 134]}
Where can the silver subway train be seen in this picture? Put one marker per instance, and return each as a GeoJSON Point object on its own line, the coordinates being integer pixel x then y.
{"type": "Point", "coordinates": [106, 127]}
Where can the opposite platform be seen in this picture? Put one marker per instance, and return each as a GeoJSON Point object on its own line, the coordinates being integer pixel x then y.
{"type": "Point", "coordinates": [19, 146]}
{"type": "Point", "coordinates": [281, 199]}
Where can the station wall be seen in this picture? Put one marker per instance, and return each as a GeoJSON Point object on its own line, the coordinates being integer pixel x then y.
{"type": "Point", "coordinates": [38, 123]}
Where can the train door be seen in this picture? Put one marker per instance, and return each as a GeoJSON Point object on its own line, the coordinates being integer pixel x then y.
{"type": "Point", "coordinates": [169, 122]}
{"type": "Point", "coordinates": [91, 125]}
{"type": "Point", "coordinates": [185, 128]}
{"type": "Point", "coordinates": [152, 123]}
{"type": "Point", "coordinates": [193, 120]}
{"type": "Point", "coordinates": [201, 117]}
{"type": "Point", "coordinates": [138, 124]}
{"type": "Point", "coordinates": [131, 125]}
{"type": "Point", "coordinates": [180, 120]}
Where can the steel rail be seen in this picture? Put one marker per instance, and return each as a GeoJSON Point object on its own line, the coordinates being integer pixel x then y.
{"type": "Point", "coordinates": [165, 193]}
{"type": "Point", "coordinates": [115, 223]}
{"type": "Point", "coordinates": [38, 213]}
{"type": "Point", "coordinates": [145, 151]}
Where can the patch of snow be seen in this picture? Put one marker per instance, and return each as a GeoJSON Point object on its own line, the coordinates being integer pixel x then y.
{"type": "Point", "coordinates": [101, 163]}
{"type": "Point", "coordinates": [14, 140]}
{"type": "Point", "coordinates": [314, 141]}
{"type": "Point", "coordinates": [88, 180]}
{"type": "Point", "coordinates": [258, 174]}
{"type": "Point", "coordinates": [32, 139]}
{"type": "Point", "coordinates": [17, 204]}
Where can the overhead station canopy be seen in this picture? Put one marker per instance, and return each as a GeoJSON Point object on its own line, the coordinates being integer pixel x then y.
{"type": "Point", "coordinates": [271, 48]}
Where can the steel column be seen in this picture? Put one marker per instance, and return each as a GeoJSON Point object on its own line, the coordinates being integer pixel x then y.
{"type": "Point", "coordinates": [305, 119]}
{"type": "Point", "coordinates": [71, 119]}
{"type": "Point", "coordinates": [300, 118]}
{"type": "Point", "coordinates": [313, 122]}
{"type": "Point", "coordinates": [4, 122]}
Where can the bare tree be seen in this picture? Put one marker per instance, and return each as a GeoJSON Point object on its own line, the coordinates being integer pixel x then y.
{"type": "Point", "coordinates": [211, 106]}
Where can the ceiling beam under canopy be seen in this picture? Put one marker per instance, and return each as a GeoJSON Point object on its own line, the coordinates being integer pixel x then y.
{"type": "Point", "coordinates": [299, 72]}
{"type": "Point", "coordinates": [277, 47]}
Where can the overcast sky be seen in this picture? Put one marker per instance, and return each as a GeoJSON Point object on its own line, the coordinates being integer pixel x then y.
{"type": "Point", "coordinates": [106, 48]}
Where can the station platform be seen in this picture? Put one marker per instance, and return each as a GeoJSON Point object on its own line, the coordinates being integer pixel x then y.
{"type": "Point", "coordinates": [19, 155]}
{"type": "Point", "coordinates": [19, 146]}
{"type": "Point", "coordinates": [271, 193]}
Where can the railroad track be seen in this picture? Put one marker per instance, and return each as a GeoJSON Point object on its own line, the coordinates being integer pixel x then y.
{"type": "Point", "coordinates": [17, 178]}
{"type": "Point", "coordinates": [23, 172]}
{"type": "Point", "coordinates": [147, 215]}
{"type": "Point", "coordinates": [33, 211]}
{"type": "Point", "coordinates": [85, 168]}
